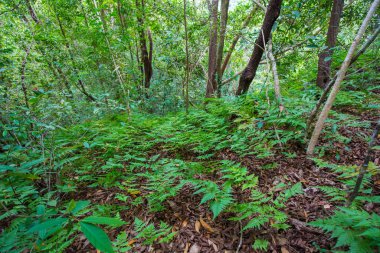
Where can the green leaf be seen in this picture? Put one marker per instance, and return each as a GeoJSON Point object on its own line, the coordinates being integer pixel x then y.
{"type": "Point", "coordinates": [79, 206]}
{"type": "Point", "coordinates": [260, 244]}
{"type": "Point", "coordinates": [86, 145]}
{"type": "Point", "coordinates": [29, 165]}
{"type": "Point", "coordinates": [256, 222]}
{"type": "Point", "coordinates": [58, 222]}
{"type": "Point", "coordinates": [114, 222]}
{"type": "Point", "coordinates": [97, 237]}
{"type": "Point", "coordinates": [4, 168]}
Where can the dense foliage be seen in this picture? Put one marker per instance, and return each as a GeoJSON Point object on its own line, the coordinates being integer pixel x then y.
{"type": "Point", "coordinates": [91, 154]}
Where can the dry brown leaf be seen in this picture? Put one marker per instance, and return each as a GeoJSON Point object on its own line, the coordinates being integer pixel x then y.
{"type": "Point", "coordinates": [213, 245]}
{"type": "Point", "coordinates": [184, 223]}
{"type": "Point", "coordinates": [197, 226]}
{"type": "Point", "coordinates": [282, 241]}
{"type": "Point", "coordinates": [284, 250]}
{"type": "Point", "coordinates": [131, 242]}
{"type": "Point", "coordinates": [186, 248]}
{"type": "Point", "coordinates": [206, 226]}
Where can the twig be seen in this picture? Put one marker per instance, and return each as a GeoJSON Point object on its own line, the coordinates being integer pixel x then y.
{"type": "Point", "coordinates": [241, 238]}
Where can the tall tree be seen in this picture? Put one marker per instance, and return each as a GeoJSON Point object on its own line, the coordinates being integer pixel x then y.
{"type": "Point", "coordinates": [222, 35]}
{"type": "Point", "coordinates": [212, 85]}
{"type": "Point", "coordinates": [146, 57]}
{"type": "Point", "coordinates": [324, 62]}
{"type": "Point", "coordinates": [271, 15]}
{"type": "Point", "coordinates": [235, 40]}
{"type": "Point", "coordinates": [341, 74]}
{"type": "Point", "coordinates": [186, 85]}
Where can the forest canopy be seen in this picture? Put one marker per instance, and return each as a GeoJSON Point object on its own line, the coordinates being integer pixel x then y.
{"type": "Point", "coordinates": [189, 126]}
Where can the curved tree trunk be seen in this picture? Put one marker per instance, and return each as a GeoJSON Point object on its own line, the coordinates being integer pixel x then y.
{"type": "Point", "coordinates": [273, 11]}
{"type": "Point", "coordinates": [324, 62]}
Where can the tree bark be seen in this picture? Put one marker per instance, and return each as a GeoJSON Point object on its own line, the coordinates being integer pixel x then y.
{"type": "Point", "coordinates": [273, 11]}
{"type": "Point", "coordinates": [212, 85]}
{"type": "Point", "coordinates": [146, 57]}
{"type": "Point", "coordinates": [222, 35]}
{"type": "Point", "coordinates": [324, 62]}
{"type": "Point", "coordinates": [32, 12]}
{"type": "Point", "coordinates": [328, 87]}
{"type": "Point", "coordinates": [235, 41]}
{"type": "Point", "coordinates": [187, 70]}
{"type": "Point", "coordinates": [341, 74]}
{"type": "Point", "coordinates": [276, 80]}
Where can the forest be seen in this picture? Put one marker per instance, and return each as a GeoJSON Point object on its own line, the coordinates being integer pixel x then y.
{"type": "Point", "coordinates": [189, 126]}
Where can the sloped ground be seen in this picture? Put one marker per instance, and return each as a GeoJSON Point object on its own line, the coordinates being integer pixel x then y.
{"type": "Point", "coordinates": [196, 230]}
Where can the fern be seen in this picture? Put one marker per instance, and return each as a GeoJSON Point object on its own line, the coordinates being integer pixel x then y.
{"type": "Point", "coordinates": [260, 244]}
{"type": "Point", "coordinates": [357, 229]}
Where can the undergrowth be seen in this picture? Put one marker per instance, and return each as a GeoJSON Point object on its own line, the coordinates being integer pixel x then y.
{"type": "Point", "coordinates": [147, 161]}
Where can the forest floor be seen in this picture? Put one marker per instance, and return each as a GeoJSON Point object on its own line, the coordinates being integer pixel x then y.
{"type": "Point", "coordinates": [196, 230]}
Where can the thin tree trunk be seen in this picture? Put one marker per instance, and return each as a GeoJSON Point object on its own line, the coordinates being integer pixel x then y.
{"type": "Point", "coordinates": [341, 74]}
{"type": "Point", "coordinates": [146, 57]}
{"type": "Point", "coordinates": [32, 12]}
{"type": "Point", "coordinates": [81, 85]}
{"type": "Point", "coordinates": [222, 35]}
{"type": "Point", "coordinates": [324, 62]}
{"type": "Point", "coordinates": [187, 70]}
{"type": "Point", "coordinates": [328, 87]}
{"type": "Point", "coordinates": [23, 85]}
{"type": "Point", "coordinates": [235, 41]}
{"type": "Point", "coordinates": [211, 86]}
{"type": "Point", "coordinates": [61, 75]}
{"type": "Point", "coordinates": [364, 167]}
{"type": "Point", "coordinates": [276, 80]}
{"type": "Point", "coordinates": [273, 11]}
{"type": "Point", "coordinates": [119, 76]}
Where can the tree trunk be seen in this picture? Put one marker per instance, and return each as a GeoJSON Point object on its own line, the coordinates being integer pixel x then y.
{"type": "Point", "coordinates": [324, 62]}
{"type": "Point", "coordinates": [235, 41]}
{"type": "Point", "coordinates": [211, 86]}
{"type": "Point", "coordinates": [341, 74]}
{"type": "Point", "coordinates": [187, 70]}
{"type": "Point", "coordinates": [81, 85]}
{"type": "Point", "coordinates": [273, 11]}
{"type": "Point", "coordinates": [146, 57]}
{"type": "Point", "coordinates": [276, 80]}
{"type": "Point", "coordinates": [32, 12]}
{"type": "Point", "coordinates": [222, 35]}
{"type": "Point", "coordinates": [328, 87]}
{"type": "Point", "coordinates": [23, 85]}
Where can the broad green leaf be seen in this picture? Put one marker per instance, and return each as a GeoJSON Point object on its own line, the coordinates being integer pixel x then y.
{"type": "Point", "coordinates": [114, 222]}
{"type": "Point", "coordinates": [48, 224]}
{"type": "Point", "coordinates": [97, 237]}
{"type": "Point", "coordinates": [79, 206]}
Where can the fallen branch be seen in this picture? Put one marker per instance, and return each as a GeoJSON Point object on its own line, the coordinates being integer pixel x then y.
{"type": "Point", "coordinates": [300, 225]}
